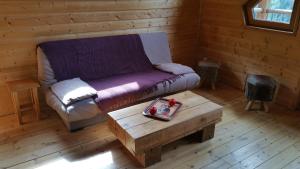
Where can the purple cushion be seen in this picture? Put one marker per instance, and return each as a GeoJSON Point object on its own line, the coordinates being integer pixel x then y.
{"type": "Point", "coordinates": [117, 91]}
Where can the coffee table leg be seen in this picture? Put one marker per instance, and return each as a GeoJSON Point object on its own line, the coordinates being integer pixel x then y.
{"type": "Point", "coordinates": [205, 134]}
{"type": "Point", "coordinates": [150, 157]}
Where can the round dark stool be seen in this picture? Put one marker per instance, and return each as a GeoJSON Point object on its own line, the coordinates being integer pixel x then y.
{"type": "Point", "coordinates": [208, 71]}
{"type": "Point", "coordinates": [260, 88]}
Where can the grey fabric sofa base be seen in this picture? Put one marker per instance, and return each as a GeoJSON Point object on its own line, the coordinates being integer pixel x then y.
{"type": "Point", "coordinates": [86, 112]}
{"type": "Point", "coordinates": [78, 125]}
{"type": "Point", "coordinates": [77, 116]}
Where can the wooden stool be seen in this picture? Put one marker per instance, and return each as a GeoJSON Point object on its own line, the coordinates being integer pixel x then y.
{"type": "Point", "coordinates": [208, 71]}
{"type": "Point", "coordinates": [260, 88]}
{"type": "Point", "coordinates": [23, 85]}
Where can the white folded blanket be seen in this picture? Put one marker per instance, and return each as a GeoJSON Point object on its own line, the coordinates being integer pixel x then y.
{"type": "Point", "coordinates": [177, 69]}
{"type": "Point", "coordinates": [70, 91]}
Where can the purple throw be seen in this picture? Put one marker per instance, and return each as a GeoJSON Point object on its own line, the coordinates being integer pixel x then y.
{"type": "Point", "coordinates": [117, 91]}
{"type": "Point", "coordinates": [95, 58]}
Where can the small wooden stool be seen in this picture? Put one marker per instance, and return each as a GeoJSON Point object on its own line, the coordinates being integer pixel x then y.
{"type": "Point", "coordinates": [260, 88]}
{"type": "Point", "coordinates": [23, 85]}
{"type": "Point", "coordinates": [208, 72]}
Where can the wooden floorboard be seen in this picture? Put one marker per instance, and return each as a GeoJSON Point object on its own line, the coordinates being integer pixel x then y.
{"type": "Point", "coordinates": [243, 139]}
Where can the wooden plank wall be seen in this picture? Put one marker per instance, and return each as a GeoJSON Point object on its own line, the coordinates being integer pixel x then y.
{"type": "Point", "coordinates": [241, 50]}
{"type": "Point", "coordinates": [24, 24]}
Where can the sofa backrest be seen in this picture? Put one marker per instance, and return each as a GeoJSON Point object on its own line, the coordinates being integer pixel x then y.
{"type": "Point", "coordinates": [45, 72]}
{"type": "Point", "coordinates": [155, 45]}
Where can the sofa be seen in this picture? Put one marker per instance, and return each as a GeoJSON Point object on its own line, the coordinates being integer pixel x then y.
{"type": "Point", "coordinates": [123, 69]}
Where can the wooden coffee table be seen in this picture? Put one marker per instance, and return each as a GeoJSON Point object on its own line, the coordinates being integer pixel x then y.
{"type": "Point", "coordinates": [144, 137]}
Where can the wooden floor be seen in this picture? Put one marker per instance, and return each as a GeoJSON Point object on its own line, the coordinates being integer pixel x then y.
{"type": "Point", "coordinates": [242, 140]}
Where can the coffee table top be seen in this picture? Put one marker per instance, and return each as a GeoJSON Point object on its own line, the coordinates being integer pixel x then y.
{"type": "Point", "coordinates": [139, 132]}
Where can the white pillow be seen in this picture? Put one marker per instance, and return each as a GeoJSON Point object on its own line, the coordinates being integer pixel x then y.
{"type": "Point", "coordinates": [177, 69]}
{"type": "Point", "coordinates": [70, 91]}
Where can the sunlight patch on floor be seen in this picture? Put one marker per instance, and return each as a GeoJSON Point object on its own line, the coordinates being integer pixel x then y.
{"type": "Point", "coordinates": [99, 161]}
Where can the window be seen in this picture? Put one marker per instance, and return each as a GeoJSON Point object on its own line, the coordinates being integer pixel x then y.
{"type": "Point", "coordinates": [282, 15]}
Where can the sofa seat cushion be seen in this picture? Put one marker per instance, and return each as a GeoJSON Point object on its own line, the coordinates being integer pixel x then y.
{"type": "Point", "coordinates": [122, 90]}
{"type": "Point", "coordinates": [81, 110]}
{"type": "Point", "coordinates": [87, 112]}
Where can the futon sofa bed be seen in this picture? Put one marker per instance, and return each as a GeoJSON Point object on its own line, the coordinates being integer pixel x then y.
{"type": "Point", "coordinates": [122, 69]}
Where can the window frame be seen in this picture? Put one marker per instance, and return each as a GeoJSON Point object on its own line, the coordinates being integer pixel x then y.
{"type": "Point", "coordinates": [275, 26]}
